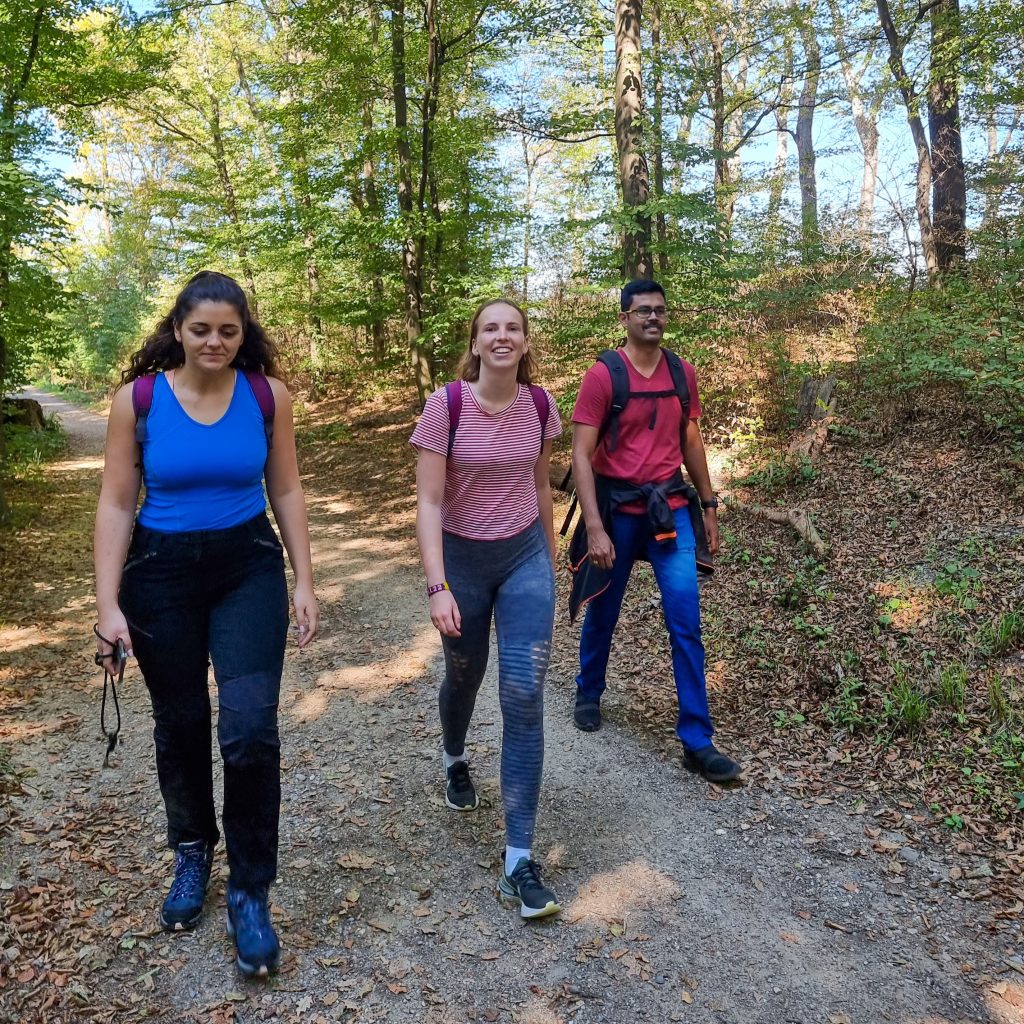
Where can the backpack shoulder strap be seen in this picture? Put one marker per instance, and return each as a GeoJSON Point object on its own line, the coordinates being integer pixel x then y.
{"type": "Point", "coordinates": [453, 396]}
{"type": "Point", "coordinates": [616, 365]}
{"type": "Point", "coordinates": [264, 395]}
{"type": "Point", "coordinates": [543, 407]}
{"type": "Point", "coordinates": [142, 402]}
{"type": "Point", "coordinates": [675, 367]}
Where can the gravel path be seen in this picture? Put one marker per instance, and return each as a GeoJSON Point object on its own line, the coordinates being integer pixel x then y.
{"type": "Point", "coordinates": [682, 902]}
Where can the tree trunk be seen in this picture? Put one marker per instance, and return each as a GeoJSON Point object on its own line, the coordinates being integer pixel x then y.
{"type": "Point", "coordinates": [865, 120]}
{"type": "Point", "coordinates": [810, 233]}
{"type": "Point", "coordinates": [378, 335]}
{"type": "Point", "coordinates": [725, 196]}
{"type": "Point", "coordinates": [634, 175]}
{"type": "Point", "coordinates": [220, 161]}
{"type": "Point", "coordinates": [410, 245]}
{"type": "Point", "coordinates": [777, 185]}
{"type": "Point", "coordinates": [658, 139]}
{"type": "Point", "coordinates": [949, 184]}
{"type": "Point", "coordinates": [911, 103]}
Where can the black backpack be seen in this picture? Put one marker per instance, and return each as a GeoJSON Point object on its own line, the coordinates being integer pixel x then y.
{"type": "Point", "coordinates": [616, 363]}
{"type": "Point", "coordinates": [614, 360]}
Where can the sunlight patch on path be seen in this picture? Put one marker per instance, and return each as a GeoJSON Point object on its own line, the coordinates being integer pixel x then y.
{"type": "Point", "coordinates": [371, 682]}
{"type": "Point", "coordinates": [613, 895]}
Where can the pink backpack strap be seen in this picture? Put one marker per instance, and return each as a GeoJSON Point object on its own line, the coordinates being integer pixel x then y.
{"type": "Point", "coordinates": [453, 396]}
{"type": "Point", "coordinates": [264, 396]}
{"type": "Point", "coordinates": [142, 402]}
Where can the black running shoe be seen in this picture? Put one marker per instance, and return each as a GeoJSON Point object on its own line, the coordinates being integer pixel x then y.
{"type": "Point", "coordinates": [459, 794]}
{"type": "Point", "coordinates": [524, 884]}
{"type": "Point", "coordinates": [712, 764]}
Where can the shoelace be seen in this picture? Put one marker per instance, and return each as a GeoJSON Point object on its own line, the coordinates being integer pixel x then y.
{"type": "Point", "coordinates": [460, 775]}
{"type": "Point", "coordinates": [527, 874]}
{"type": "Point", "coordinates": [188, 872]}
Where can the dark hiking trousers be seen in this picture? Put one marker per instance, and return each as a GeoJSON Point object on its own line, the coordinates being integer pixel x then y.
{"type": "Point", "coordinates": [218, 595]}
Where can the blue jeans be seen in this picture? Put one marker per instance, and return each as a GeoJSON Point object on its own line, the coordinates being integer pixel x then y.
{"type": "Point", "coordinates": [513, 582]}
{"type": "Point", "coordinates": [218, 595]}
{"type": "Point", "coordinates": [675, 569]}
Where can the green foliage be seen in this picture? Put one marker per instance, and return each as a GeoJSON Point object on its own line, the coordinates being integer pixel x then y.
{"type": "Point", "coordinates": [998, 698]}
{"type": "Point", "coordinates": [905, 706]}
{"type": "Point", "coordinates": [1003, 635]}
{"type": "Point", "coordinates": [846, 709]}
{"type": "Point", "coordinates": [965, 339]}
{"type": "Point", "coordinates": [952, 688]}
{"type": "Point", "coordinates": [29, 450]}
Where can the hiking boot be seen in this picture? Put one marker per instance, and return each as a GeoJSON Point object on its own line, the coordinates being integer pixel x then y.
{"type": "Point", "coordinates": [524, 884]}
{"type": "Point", "coordinates": [258, 951]}
{"type": "Point", "coordinates": [184, 903]}
{"type": "Point", "coordinates": [587, 716]}
{"type": "Point", "coordinates": [712, 764]}
{"type": "Point", "coordinates": [459, 794]}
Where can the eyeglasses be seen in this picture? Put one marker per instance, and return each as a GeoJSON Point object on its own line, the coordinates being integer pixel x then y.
{"type": "Point", "coordinates": [645, 312]}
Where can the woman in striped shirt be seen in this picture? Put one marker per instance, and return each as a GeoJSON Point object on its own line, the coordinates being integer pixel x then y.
{"type": "Point", "coordinates": [487, 540]}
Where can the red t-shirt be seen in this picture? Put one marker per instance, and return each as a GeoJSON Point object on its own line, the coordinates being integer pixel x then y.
{"type": "Point", "coordinates": [644, 454]}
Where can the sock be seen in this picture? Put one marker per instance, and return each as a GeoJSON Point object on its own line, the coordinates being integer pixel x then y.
{"type": "Point", "coordinates": [450, 759]}
{"type": "Point", "coordinates": [513, 854]}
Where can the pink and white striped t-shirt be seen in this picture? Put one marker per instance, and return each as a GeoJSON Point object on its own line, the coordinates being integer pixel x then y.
{"type": "Point", "coordinates": [489, 490]}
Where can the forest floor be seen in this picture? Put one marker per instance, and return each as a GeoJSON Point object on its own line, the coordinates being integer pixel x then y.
{"type": "Point", "coordinates": [830, 889]}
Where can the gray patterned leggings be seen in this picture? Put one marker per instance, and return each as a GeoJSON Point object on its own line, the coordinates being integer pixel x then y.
{"type": "Point", "coordinates": [512, 579]}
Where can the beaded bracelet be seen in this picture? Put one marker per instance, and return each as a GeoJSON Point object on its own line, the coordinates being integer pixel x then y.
{"type": "Point", "coordinates": [437, 588]}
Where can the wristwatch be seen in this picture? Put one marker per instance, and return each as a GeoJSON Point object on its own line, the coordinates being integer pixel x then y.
{"type": "Point", "coordinates": [712, 503]}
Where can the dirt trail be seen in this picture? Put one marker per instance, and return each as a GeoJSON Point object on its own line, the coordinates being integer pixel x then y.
{"type": "Point", "coordinates": [681, 902]}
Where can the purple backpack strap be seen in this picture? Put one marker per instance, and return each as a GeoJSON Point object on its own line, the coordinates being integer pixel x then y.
{"type": "Point", "coordinates": [142, 402]}
{"type": "Point", "coordinates": [543, 407]}
{"type": "Point", "coordinates": [265, 400]}
{"type": "Point", "coordinates": [453, 396]}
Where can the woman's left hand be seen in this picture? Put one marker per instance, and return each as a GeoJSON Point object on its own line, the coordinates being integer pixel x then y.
{"type": "Point", "coordinates": [307, 614]}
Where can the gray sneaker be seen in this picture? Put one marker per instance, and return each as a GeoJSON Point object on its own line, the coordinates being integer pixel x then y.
{"type": "Point", "coordinates": [524, 884]}
{"type": "Point", "coordinates": [459, 794]}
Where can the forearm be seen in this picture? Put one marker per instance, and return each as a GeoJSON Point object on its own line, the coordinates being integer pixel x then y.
{"type": "Point", "coordinates": [110, 546]}
{"type": "Point", "coordinates": [696, 463]}
{"type": "Point", "coordinates": [290, 513]}
{"type": "Point", "coordinates": [586, 490]}
{"type": "Point", "coordinates": [428, 535]}
{"type": "Point", "coordinates": [546, 507]}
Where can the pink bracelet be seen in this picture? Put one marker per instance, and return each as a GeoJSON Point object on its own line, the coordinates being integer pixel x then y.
{"type": "Point", "coordinates": [437, 588]}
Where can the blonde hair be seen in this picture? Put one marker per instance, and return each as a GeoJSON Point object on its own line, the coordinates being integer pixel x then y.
{"type": "Point", "coordinates": [469, 364]}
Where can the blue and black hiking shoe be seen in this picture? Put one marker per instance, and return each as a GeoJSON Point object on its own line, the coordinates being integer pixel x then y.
{"type": "Point", "coordinates": [524, 884]}
{"type": "Point", "coordinates": [184, 904]}
{"type": "Point", "coordinates": [712, 764]}
{"type": "Point", "coordinates": [256, 945]}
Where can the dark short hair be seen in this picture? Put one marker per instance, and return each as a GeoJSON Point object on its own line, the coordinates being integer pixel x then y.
{"type": "Point", "coordinates": [640, 287]}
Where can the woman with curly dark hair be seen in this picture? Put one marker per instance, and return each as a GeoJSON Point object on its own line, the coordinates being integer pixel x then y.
{"type": "Point", "coordinates": [198, 576]}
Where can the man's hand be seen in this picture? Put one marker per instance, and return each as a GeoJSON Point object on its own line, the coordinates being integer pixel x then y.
{"type": "Point", "coordinates": [711, 529]}
{"type": "Point", "coordinates": [600, 550]}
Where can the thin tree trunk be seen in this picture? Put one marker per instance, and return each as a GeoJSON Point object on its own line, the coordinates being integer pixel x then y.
{"type": "Point", "coordinates": [8, 112]}
{"type": "Point", "coordinates": [865, 120]}
{"type": "Point", "coordinates": [911, 103]}
{"type": "Point", "coordinates": [378, 335]}
{"type": "Point", "coordinates": [410, 244]}
{"type": "Point", "coordinates": [777, 184]}
{"type": "Point", "coordinates": [949, 185]}
{"type": "Point", "coordinates": [725, 196]}
{"type": "Point", "coordinates": [810, 233]}
{"type": "Point", "coordinates": [220, 161]}
{"type": "Point", "coordinates": [658, 138]}
{"type": "Point", "coordinates": [634, 175]}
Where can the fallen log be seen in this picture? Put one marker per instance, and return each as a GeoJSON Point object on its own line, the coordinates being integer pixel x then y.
{"type": "Point", "coordinates": [796, 518]}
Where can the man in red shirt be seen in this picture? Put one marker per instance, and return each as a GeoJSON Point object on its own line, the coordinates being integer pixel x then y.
{"type": "Point", "coordinates": [644, 450]}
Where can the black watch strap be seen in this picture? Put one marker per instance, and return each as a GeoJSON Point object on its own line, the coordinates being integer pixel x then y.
{"type": "Point", "coordinates": [713, 503]}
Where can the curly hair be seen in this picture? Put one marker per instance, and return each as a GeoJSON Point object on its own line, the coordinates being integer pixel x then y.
{"type": "Point", "coordinates": [162, 351]}
{"type": "Point", "coordinates": [469, 364]}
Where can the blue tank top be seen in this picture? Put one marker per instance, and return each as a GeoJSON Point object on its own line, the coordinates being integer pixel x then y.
{"type": "Point", "coordinates": [202, 476]}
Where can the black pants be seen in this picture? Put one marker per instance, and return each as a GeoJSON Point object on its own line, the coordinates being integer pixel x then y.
{"type": "Point", "coordinates": [218, 595]}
